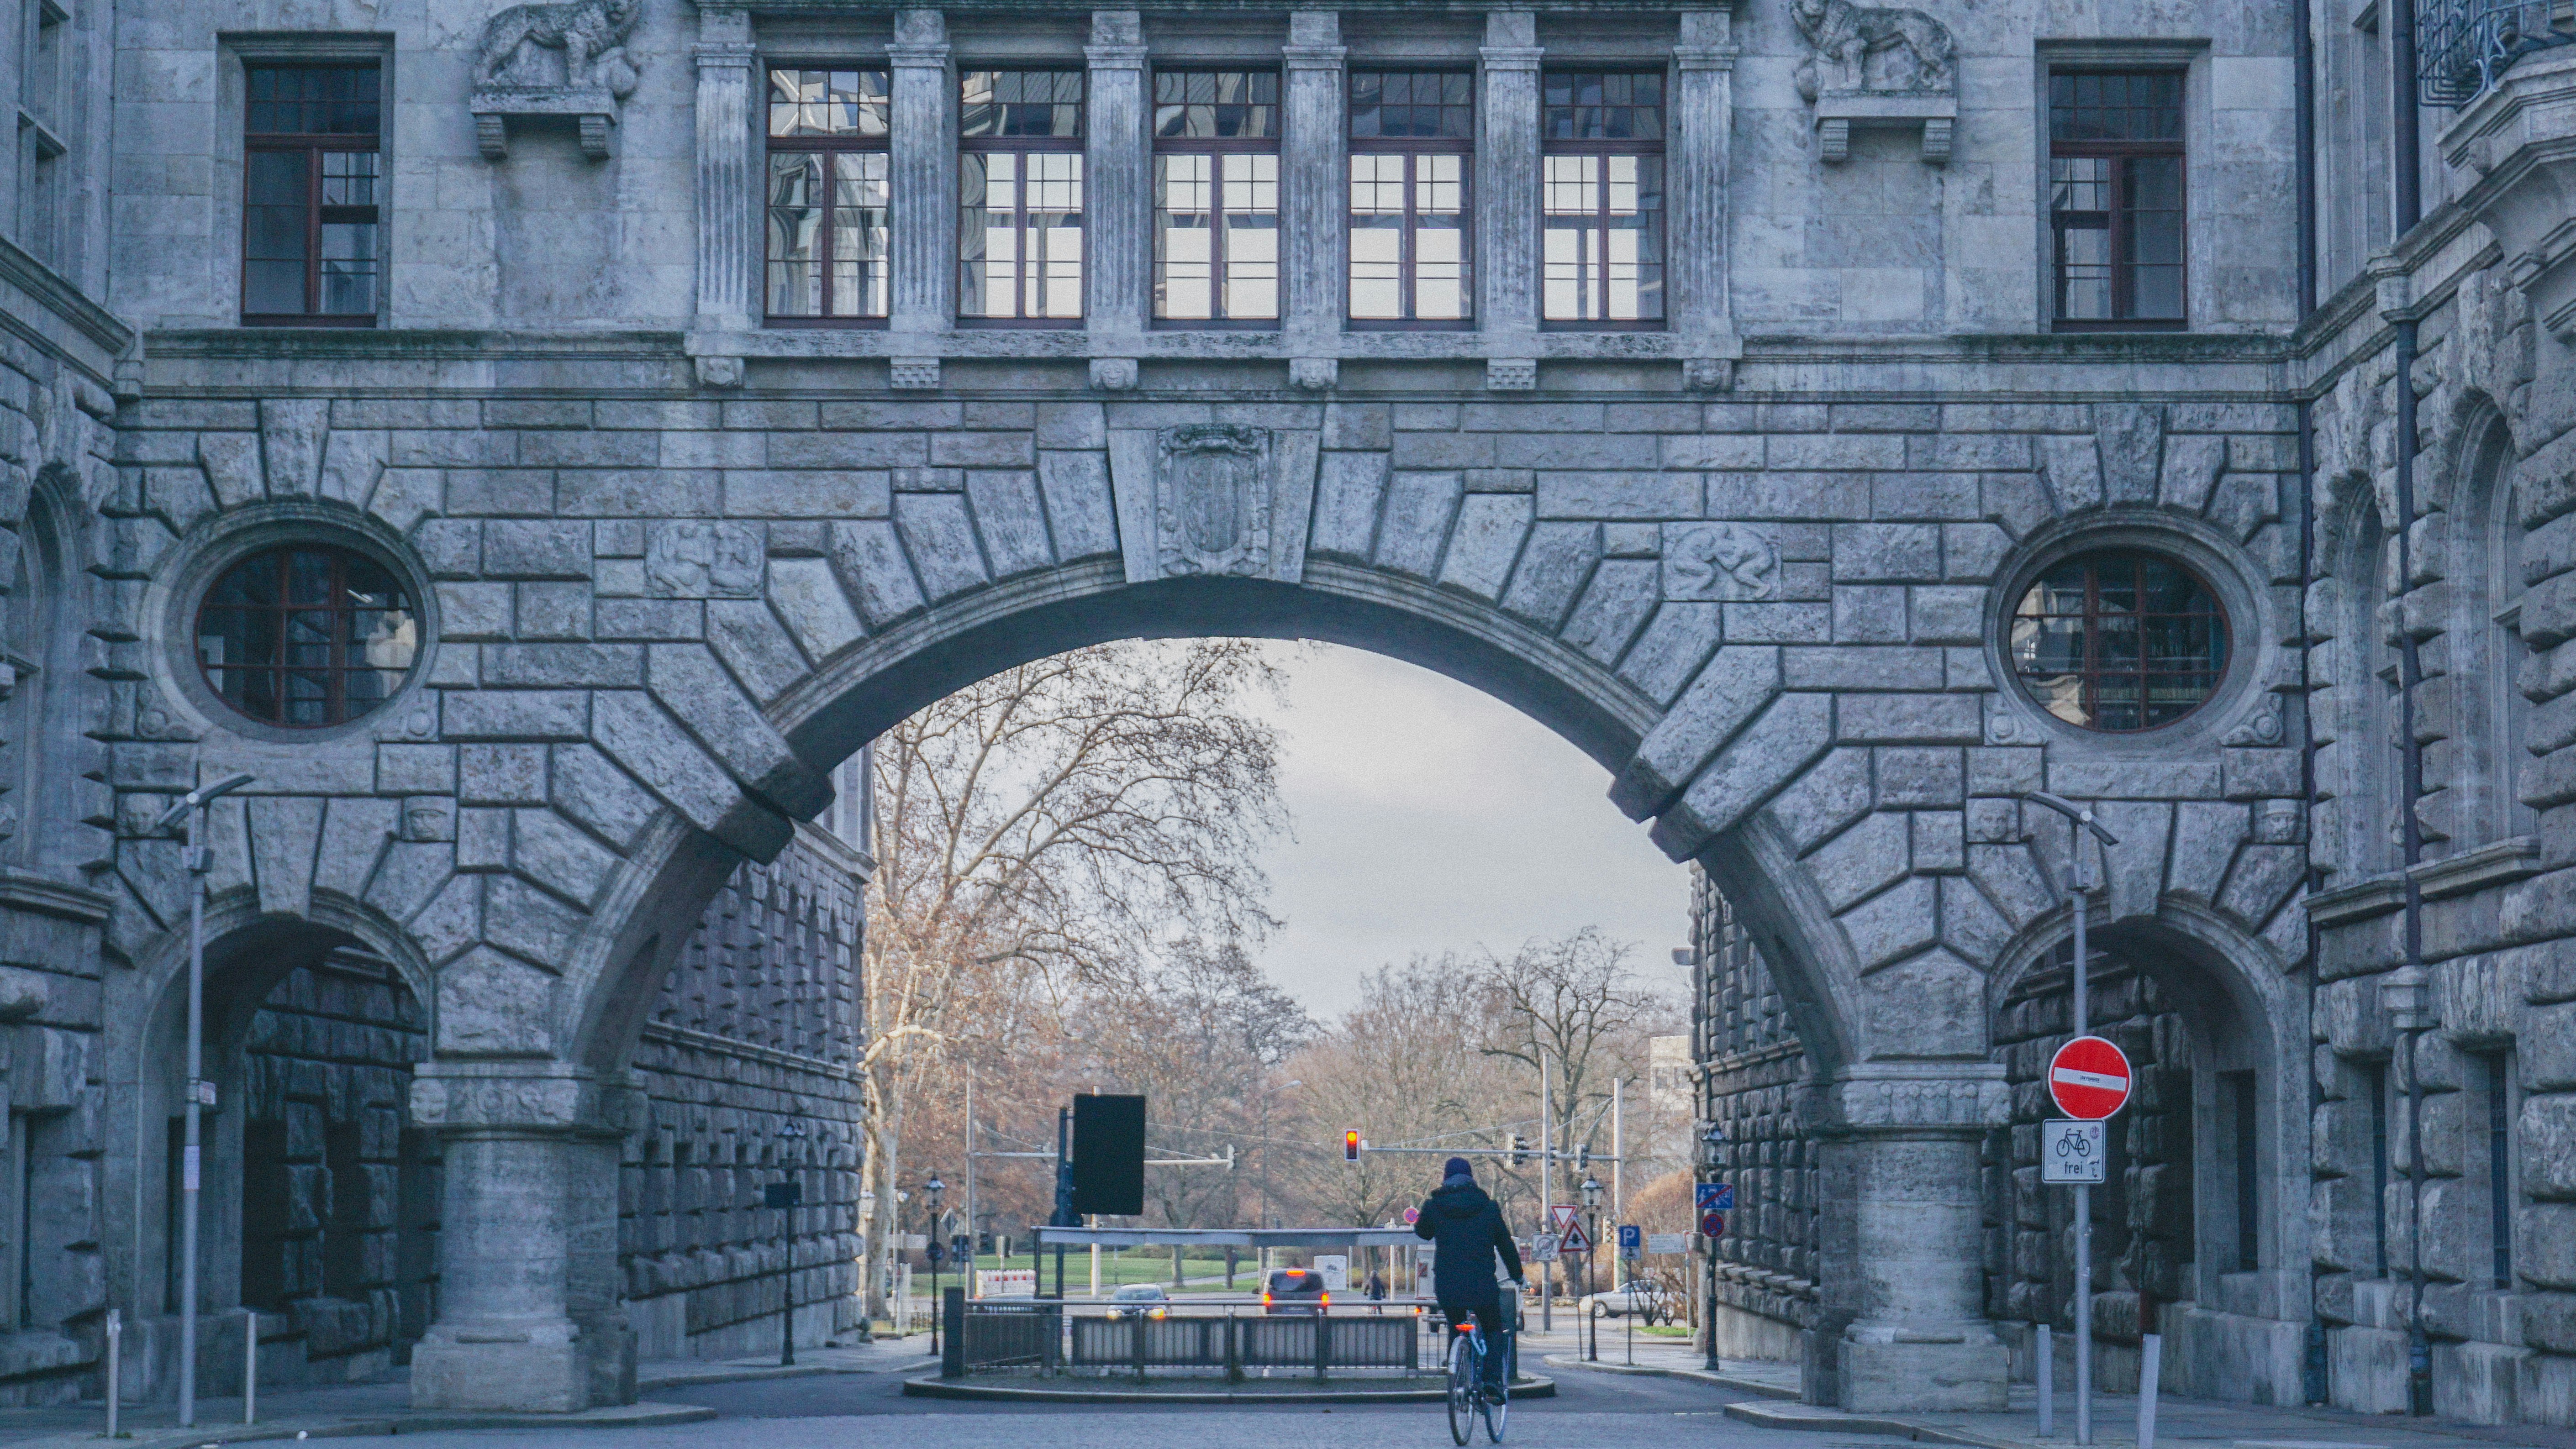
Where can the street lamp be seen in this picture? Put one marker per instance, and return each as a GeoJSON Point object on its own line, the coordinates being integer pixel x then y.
{"type": "Point", "coordinates": [2405, 994]}
{"type": "Point", "coordinates": [1591, 1190]}
{"type": "Point", "coordinates": [191, 808]}
{"type": "Point", "coordinates": [1712, 1157]}
{"type": "Point", "coordinates": [938, 1304]}
{"type": "Point", "coordinates": [787, 1194]}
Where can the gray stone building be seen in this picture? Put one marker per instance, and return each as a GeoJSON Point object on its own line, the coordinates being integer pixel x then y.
{"type": "Point", "coordinates": [539, 444]}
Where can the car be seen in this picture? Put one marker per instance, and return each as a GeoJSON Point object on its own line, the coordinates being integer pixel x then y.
{"type": "Point", "coordinates": [1295, 1290]}
{"type": "Point", "coordinates": [1637, 1296]}
{"type": "Point", "coordinates": [1140, 1300]}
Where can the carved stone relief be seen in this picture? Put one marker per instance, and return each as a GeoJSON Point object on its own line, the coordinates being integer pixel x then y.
{"type": "Point", "coordinates": [696, 559]}
{"type": "Point", "coordinates": [566, 58]}
{"type": "Point", "coordinates": [1720, 561]}
{"type": "Point", "coordinates": [1212, 499]}
{"type": "Point", "coordinates": [1876, 65]}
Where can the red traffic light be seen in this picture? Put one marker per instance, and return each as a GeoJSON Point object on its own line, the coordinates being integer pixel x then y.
{"type": "Point", "coordinates": [1351, 1145]}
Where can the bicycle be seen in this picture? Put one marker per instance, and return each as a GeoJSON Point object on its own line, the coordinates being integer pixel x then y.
{"type": "Point", "coordinates": [1468, 1397]}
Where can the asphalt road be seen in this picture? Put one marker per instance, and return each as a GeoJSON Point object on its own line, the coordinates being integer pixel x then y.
{"type": "Point", "coordinates": [1591, 1411]}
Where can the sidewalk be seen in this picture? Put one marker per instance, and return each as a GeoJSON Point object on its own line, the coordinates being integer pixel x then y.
{"type": "Point", "coordinates": [2197, 1422]}
{"type": "Point", "coordinates": [385, 1408]}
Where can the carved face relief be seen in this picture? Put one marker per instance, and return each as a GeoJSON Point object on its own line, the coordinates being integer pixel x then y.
{"type": "Point", "coordinates": [1212, 499]}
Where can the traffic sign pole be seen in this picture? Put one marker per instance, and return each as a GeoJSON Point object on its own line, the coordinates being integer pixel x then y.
{"type": "Point", "coordinates": [2080, 823]}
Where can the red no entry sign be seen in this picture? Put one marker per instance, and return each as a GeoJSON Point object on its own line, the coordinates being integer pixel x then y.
{"type": "Point", "coordinates": [2089, 1077]}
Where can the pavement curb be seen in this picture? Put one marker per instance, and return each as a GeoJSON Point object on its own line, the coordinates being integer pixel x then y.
{"type": "Point", "coordinates": [624, 1416]}
{"type": "Point", "coordinates": [1834, 1421]}
{"type": "Point", "coordinates": [693, 1378]}
{"type": "Point", "coordinates": [1701, 1376]}
{"type": "Point", "coordinates": [932, 1388]}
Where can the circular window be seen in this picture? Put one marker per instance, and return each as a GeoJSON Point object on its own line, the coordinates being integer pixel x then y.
{"type": "Point", "coordinates": [2119, 640]}
{"type": "Point", "coordinates": [306, 635]}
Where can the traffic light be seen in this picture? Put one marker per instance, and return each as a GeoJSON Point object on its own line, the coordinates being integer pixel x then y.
{"type": "Point", "coordinates": [1520, 1150]}
{"type": "Point", "coordinates": [1583, 1157]}
{"type": "Point", "coordinates": [1351, 1145]}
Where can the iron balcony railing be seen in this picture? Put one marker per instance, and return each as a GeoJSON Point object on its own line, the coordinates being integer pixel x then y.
{"type": "Point", "coordinates": [2465, 46]}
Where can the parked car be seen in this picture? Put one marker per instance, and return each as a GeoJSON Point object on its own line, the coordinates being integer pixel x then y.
{"type": "Point", "coordinates": [1295, 1290]}
{"type": "Point", "coordinates": [1637, 1296]}
{"type": "Point", "coordinates": [1140, 1300]}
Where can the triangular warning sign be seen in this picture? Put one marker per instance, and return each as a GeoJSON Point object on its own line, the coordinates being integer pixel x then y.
{"type": "Point", "coordinates": [1569, 1229]}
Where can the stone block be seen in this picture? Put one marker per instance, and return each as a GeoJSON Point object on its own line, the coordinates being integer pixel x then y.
{"type": "Point", "coordinates": [1558, 558]}
{"type": "Point", "coordinates": [1903, 718]}
{"type": "Point", "coordinates": [501, 774]}
{"type": "Point", "coordinates": [1919, 778]}
{"type": "Point", "coordinates": [1868, 614]}
{"type": "Point", "coordinates": [1887, 553]}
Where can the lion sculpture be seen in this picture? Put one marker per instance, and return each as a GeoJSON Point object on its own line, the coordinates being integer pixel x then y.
{"type": "Point", "coordinates": [590, 33]}
{"type": "Point", "coordinates": [1843, 36]}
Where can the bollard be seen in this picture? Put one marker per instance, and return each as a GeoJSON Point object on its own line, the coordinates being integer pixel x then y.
{"type": "Point", "coordinates": [250, 1365]}
{"type": "Point", "coordinates": [115, 1342]}
{"type": "Point", "coordinates": [2150, 1360]}
{"type": "Point", "coordinates": [2047, 1385]}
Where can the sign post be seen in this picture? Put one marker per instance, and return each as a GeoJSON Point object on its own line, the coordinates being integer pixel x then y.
{"type": "Point", "coordinates": [2090, 1096]}
{"type": "Point", "coordinates": [2089, 1079]}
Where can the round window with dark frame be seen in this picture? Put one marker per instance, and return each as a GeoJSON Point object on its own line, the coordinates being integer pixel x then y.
{"type": "Point", "coordinates": [2119, 641]}
{"type": "Point", "coordinates": [307, 635]}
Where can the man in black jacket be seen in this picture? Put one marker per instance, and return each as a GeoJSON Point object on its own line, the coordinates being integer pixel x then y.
{"type": "Point", "coordinates": [1466, 1230]}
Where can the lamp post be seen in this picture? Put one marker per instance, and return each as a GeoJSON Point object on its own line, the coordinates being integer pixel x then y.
{"type": "Point", "coordinates": [1712, 1156]}
{"type": "Point", "coordinates": [2406, 995]}
{"type": "Point", "coordinates": [1591, 1190]}
{"type": "Point", "coordinates": [936, 1189]}
{"type": "Point", "coordinates": [191, 809]}
{"type": "Point", "coordinates": [787, 1194]}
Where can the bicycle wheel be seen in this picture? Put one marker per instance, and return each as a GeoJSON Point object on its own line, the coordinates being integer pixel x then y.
{"type": "Point", "coordinates": [1496, 1404]}
{"type": "Point", "coordinates": [1463, 1369]}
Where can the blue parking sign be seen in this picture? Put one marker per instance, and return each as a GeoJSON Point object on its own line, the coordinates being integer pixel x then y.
{"type": "Point", "coordinates": [1716, 1197]}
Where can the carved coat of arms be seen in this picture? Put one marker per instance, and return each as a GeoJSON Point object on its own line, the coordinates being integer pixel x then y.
{"type": "Point", "coordinates": [1212, 499]}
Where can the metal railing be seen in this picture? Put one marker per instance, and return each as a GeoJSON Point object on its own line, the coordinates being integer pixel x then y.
{"type": "Point", "coordinates": [1237, 1339]}
{"type": "Point", "coordinates": [2464, 46]}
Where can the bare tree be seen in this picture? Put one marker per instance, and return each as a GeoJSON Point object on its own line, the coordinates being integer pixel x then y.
{"type": "Point", "coordinates": [1577, 1005]}
{"type": "Point", "coordinates": [1043, 832]}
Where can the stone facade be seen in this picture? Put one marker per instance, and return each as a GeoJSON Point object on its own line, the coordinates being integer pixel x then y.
{"type": "Point", "coordinates": [673, 564]}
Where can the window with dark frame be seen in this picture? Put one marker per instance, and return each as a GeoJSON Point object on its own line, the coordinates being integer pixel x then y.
{"type": "Point", "coordinates": [311, 189]}
{"type": "Point", "coordinates": [828, 257]}
{"type": "Point", "coordinates": [1216, 196]}
{"type": "Point", "coordinates": [1020, 196]}
{"type": "Point", "coordinates": [306, 635]}
{"type": "Point", "coordinates": [2115, 206]}
{"type": "Point", "coordinates": [1412, 142]}
{"type": "Point", "coordinates": [1602, 198]}
{"type": "Point", "coordinates": [2375, 1081]}
{"type": "Point", "coordinates": [2499, 1104]}
{"type": "Point", "coordinates": [2119, 641]}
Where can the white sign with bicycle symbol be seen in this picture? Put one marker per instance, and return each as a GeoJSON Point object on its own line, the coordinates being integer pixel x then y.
{"type": "Point", "coordinates": [2071, 1150]}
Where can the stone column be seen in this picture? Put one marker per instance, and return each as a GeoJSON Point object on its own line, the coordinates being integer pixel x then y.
{"type": "Point", "coordinates": [1117, 197]}
{"type": "Point", "coordinates": [530, 1317]}
{"type": "Point", "coordinates": [1507, 199]}
{"type": "Point", "coordinates": [1695, 188]}
{"type": "Point", "coordinates": [1314, 186]}
{"type": "Point", "coordinates": [922, 169]}
{"type": "Point", "coordinates": [1901, 1324]}
{"type": "Point", "coordinates": [729, 183]}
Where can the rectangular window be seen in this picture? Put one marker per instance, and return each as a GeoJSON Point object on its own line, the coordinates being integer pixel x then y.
{"type": "Point", "coordinates": [2499, 1093]}
{"type": "Point", "coordinates": [827, 255]}
{"type": "Point", "coordinates": [1216, 196]}
{"type": "Point", "coordinates": [2245, 1110]}
{"type": "Point", "coordinates": [311, 184]}
{"type": "Point", "coordinates": [1602, 133]}
{"type": "Point", "coordinates": [2115, 175]}
{"type": "Point", "coordinates": [1412, 141]}
{"type": "Point", "coordinates": [1019, 193]}
{"type": "Point", "coordinates": [2378, 1081]}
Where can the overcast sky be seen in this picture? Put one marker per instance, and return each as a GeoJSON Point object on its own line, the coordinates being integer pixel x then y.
{"type": "Point", "coordinates": [1431, 817]}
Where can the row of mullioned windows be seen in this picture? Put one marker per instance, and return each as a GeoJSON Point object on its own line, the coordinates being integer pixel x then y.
{"type": "Point", "coordinates": [310, 251]}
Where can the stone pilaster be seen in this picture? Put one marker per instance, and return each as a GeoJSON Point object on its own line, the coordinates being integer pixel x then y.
{"type": "Point", "coordinates": [1507, 195]}
{"type": "Point", "coordinates": [923, 169]}
{"type": "Point", "coordinates": [1695, 184]}
{"type": "Point", "coordinates": [1314, 176]}
{"type": "Point", "coordinates": [1901, 1323]}
{"type": "Point", "coordinates": [1117, 185]}
{"type": "Point", "coordinates": [729, 187]}
{"type": "Point", "coordinates": [529, 1312]}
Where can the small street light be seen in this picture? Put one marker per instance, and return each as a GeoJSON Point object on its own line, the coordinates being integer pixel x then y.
{"type": "Point", "coordinates": [938, 1304]}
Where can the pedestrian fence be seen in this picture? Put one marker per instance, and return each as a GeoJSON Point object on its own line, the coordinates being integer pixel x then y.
{"type": "Point", "coordinates": [1235, 1339]}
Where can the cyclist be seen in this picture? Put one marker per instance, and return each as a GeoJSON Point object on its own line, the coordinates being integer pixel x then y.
{"type": "Point", "coordinates": [1466, 1231]}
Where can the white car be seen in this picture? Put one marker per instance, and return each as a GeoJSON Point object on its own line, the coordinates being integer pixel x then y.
{"type": "Point", "coordinates": [1635, 1296]}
